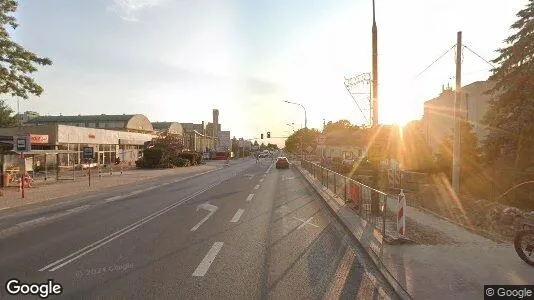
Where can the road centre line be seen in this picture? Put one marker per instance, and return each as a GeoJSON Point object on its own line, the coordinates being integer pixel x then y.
{"type": "Point", "coordinates": [257, 186]}
{"type": "Point", "coordinates": [87, 249]}
{"type": "Point", "coordinates": [206, 262]}
{"type": "Point", "coordinates": [250, 197]}
{"type": "Point", "coordinates": [237, 215]}
{"type": "Point", "coordinates": [261, 180]}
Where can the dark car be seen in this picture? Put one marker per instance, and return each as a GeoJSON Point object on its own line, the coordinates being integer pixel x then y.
{"type": "Point", "coordinates": [282, 163]}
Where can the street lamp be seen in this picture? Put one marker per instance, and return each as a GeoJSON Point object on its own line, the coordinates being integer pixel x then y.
{"type": "Point", "coordinates": [305, 117]}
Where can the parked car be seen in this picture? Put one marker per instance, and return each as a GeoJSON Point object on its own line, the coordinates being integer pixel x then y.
{"type": "Point", "coordinates": [282, 163]}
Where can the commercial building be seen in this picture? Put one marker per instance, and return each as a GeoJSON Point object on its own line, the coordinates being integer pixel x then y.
{"type": "Point", "coordinates": [438, 113]}
{"type": "Point", "coordinates": [107, 144]}
{"type": "Point", "coordinates": [59, 140]}
{"type": "Point", "coordinates": [225, 141]}
{"type": "Point", "coordinates": [26, 116]}
{"type": "Point", "coordinates": [174, 128]}
{"type": "Point", "coordinates": [131, 123]}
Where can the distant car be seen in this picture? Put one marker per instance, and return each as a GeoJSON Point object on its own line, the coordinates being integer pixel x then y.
{"type": "Point", "coordinates": [282, 163]}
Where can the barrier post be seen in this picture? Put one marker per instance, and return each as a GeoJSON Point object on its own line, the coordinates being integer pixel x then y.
{"type": "Point", "coordinates": [335, 186]}
{"type": "Point", "coordinates": [401, 214]}
{"type": "Point", "coordinates": [23, 170]}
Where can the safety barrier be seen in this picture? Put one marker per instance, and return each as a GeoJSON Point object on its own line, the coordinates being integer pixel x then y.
{"type": "Point", "coordinates": [376, 207]}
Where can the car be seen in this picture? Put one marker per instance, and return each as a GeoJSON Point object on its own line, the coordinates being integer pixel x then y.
{"type": "Point", "coordinates": [282, 163]}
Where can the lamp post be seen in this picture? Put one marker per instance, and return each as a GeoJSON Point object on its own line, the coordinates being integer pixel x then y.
{"type": "Point", "coordinates": [305, 116]}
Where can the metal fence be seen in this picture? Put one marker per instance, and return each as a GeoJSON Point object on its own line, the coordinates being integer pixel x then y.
{"type": "Point", "coordinates": [375, 207]}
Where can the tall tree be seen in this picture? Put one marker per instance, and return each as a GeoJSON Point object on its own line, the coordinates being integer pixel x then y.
{"type": "Point", "coordinates": [301, 139]}
{"type": "Point", "coordinates": [16, 63]}
{"type": "Point", "coordinates": [343, 125]}
{"type": "Point", "coordinates": [509, 116]}
{"type": "Point", "coordinates": [416, 155]}
{"type": "Point", "coordinates": [235, 147]}
{"type": "Point", "coordinates": [469, 152]}
{"type": "Point", "coordinates": [6, 118]}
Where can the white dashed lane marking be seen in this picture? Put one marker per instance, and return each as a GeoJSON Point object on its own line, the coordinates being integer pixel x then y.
{"type": "Point", "coordinates": [205, 264]}
{"type": "Point", "coordinates": [237, 216]}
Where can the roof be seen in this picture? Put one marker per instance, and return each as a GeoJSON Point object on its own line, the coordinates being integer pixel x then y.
{"type": "Point", "coordinates": [161, 125]}
{"type": "Point", "coordinates": [80, 118]}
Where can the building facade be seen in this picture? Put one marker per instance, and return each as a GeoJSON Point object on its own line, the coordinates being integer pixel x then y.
{"type": "Point", "coordinates": [225, 141]}
{"type": "Point", "coordinates": [107, 144]}
{"type": "Point", "coordinates": [438, 112]}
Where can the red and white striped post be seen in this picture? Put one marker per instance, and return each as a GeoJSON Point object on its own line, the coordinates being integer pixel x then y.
{"type": "Point", "coordinates": [401, 214]}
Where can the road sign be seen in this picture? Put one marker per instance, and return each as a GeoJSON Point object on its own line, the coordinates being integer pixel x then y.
{"type": "Point", "coordinates": [88, 152]}
{"type": "Point", "coordinates": [321, 139]}
{"type": "Point", "coordinates": [22, 143]}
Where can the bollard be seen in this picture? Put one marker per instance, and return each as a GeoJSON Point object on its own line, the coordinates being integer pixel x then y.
{"type": "Point", "coordinates": [110, 170]}
{"type": "Point", "coordinates": [401, 214]}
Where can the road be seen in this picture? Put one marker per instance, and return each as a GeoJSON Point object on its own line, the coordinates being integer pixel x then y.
{"type": "Point", "coordinates": [247, 231]}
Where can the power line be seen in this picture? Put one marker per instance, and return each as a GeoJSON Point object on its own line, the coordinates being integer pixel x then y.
{"type": "Point", "coordinates": [435, 61]}
{"type": "Point", "coordinates": [479, 56]}
{"type": "Point", "coordinates": [358, 105]}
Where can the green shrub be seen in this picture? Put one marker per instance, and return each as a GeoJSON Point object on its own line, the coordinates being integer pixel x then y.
{"type": "Point", "coordinates": [190, 156]}
{"type": "Point", "coordinates": [182, 162]}
{"type": "Point", "coordinates": [152, 157]}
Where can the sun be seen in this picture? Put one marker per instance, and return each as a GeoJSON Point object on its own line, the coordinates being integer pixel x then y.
{"type": "Point", "coordinates": [398, 114]}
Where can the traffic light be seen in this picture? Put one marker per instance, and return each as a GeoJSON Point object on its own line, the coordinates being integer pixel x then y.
{"type": "Point", "coordinates": [262, 136]}
{"type": "Point", "coordinates": [268, 134]}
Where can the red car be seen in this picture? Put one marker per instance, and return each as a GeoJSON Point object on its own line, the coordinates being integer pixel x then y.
{"type": "Point", "coordinates": [282, 163]}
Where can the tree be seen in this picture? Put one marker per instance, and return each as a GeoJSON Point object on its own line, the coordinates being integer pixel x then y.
{"type": "Point", "coordinates": [6, 118]}
{"type": "Point", "coordinates": [469, 153]}
{"type": "Point", "coordinates": [509, 116]}
{"type": "Point", "coordinates": [301, 139]}
{"type": "Point", "coordinates": [272, 146]}
{"type": "Point", "coordinates": [256, 143]}
{"type": "Point", "coordinates": [17, 63]}
{"type": "Point", "coordinates": [416, 155]}
{"type": "Point", "coordinates": [343, 125]}
{"type": "Point", "coordinates": [235, 147]}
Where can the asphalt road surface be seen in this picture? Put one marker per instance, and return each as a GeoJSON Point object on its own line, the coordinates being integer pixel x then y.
{"type": "Point", "coordinates": [247, 231]}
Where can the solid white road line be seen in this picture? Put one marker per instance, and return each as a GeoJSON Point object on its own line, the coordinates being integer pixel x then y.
{"type": "Point", "coordinates": [342, 273]}
{"type": "Point", "coordinates": [269, 169]}
{"type": "Point", "coordinates": [89, 248]}
{"type": "Point", "coordinates": [250, 197]}
{"type": "Point", "coordinates": [237, 215]}
{"type": "Point", "coordinates": [205, 264]}
{"type": "Point", "coordinates": [257, 186]}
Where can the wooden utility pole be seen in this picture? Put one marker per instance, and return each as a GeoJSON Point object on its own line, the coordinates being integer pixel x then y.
{"type": "Point", "coordinates": [457, 117]}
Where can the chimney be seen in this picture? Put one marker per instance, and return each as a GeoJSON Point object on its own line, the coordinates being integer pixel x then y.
{"type": "Point", "coordinates": [215, 125]}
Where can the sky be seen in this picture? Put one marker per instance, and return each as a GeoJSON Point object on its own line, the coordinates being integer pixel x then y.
{"type": "Point", "coordinates": [176, 60]}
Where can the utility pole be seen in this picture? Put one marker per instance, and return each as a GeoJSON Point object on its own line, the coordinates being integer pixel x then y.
{"type": "Point", "coordinates": [375, 71]}
{"type": "Point", "coordinates": [457, 117]}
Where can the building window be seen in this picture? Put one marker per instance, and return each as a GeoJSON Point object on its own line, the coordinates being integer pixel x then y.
{"type": "Point", "coordinates": [102, 125]}
{"type": "Point", "coordinates": [92, 125]}
{"type": "Point", "coordinates": [81, 124]}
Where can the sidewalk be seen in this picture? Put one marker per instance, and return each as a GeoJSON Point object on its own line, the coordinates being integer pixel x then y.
{"type": "Point", "coordinates": [456, 268]}
{"type": "Point", "coordinates": [45, 192]}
